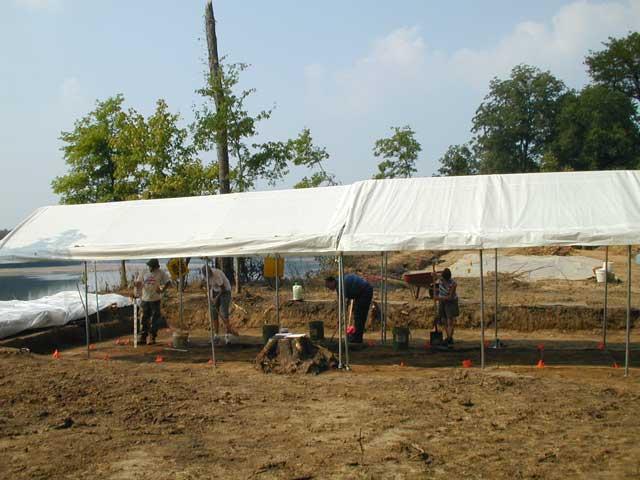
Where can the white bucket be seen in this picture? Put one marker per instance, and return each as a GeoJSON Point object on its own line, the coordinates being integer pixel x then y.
{"type": "Point", "coordinates": [607, 266]}
{"type": "Point", "coordinates": [297, 292]}
{"type": "Point", "coordinates": [601, 275]}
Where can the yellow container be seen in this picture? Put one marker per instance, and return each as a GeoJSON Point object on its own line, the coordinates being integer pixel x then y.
{"type": "Point", "coordinates": [270, 267]}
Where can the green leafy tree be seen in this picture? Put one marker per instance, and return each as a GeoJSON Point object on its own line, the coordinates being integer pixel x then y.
{"type": "Point", "coordinates": [89, 152]}
{"type": "Point", "coordinates": [305, 153]}
{"type": "Point", "coordinates": [516, 120]}
{"type": "Point", "coordinates": [156, 160]}
{"type": "Point", "coordinates": [269, 161]}
{"type": "Point", "coordinates": [597, 129]}
{"type": "Point", "coordinates": [458, 160]}
{"type": "Point", "coordinates": [399, 152]}
{"type": "Point", "coordinates": [618, 65]}
{"type": "Point", "coordinates": [231, 119]}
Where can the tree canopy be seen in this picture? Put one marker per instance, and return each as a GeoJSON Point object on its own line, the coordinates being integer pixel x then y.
{"type": "Point", "coordinates": [618, 65]}
{"type": "Point", "coordinates": [113, 154]}
{"type": "Point", "coordinates": [458, 160]}
{"type": "Point", "coordinates": [516, 120]}
{"type": "Point", "coordinates": [597, 129]}
{"type": "Point", "coordinates": [399, 152]}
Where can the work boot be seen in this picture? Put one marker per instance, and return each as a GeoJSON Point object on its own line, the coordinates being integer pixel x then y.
{"type": "Point", "coordinates": [142, 340]}
{"type": "Point", "coordinates": [151, 341]}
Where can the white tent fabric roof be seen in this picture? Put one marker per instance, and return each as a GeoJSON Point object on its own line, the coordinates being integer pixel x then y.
{"type": "Point", "coordinates": [494, 211]}
{"type": "Point", "coordinates": [440, 213]}
{"type": "Point", "coordinates": [304, 221]}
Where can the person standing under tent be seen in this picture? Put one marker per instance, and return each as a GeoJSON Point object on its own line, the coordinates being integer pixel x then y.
{"type": "Point", "coordinates": [448, 308]}
{"type": "Point", "coordinates": [153, 284]}
{"type": "Point", "coordinates": [220, 295]}
{"type": "Point", "coordinates": [361, 292]}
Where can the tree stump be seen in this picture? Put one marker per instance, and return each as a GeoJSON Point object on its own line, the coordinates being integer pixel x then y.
{"type": "Point", "coordinates": [294, 355]}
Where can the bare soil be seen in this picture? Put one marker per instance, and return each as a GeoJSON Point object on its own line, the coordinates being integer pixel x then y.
{"type": "Point", "coordinates": [158, 413]}
{"type": "Point", "coordinates": [414, 414]}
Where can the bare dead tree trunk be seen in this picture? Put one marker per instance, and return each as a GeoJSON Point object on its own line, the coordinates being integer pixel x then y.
{"type": "Point", "coordinates": [123, 274]}
{"type": "Point", "coordinates": [222, 140]}
{"type": "Point", "coordinates": [222, 143]}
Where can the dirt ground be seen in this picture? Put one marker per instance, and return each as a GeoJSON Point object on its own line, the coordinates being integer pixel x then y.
{"type": "Point", "coordinates": [414, 414]}
{"type": "Point", "coordinates": [409, 414]}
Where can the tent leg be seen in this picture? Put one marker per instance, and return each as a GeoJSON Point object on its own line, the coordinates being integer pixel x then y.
{"type": "Point", "coordinates": [344, 312]}
{"type": "Point", "coordinates": [606, 296]}
{"type": "Point", "coordinates": [278, 291]}
{"type": "Point", "coordinates": [181, 310]}
{"type": "Point", "coordinates": [386, 296]}
{"type": "Point", "coordinates": [86, 308]}
{"type": "Point", "coordinates": [496, 342]}
{"type": "Point", "coordinates": [95, 279]}
{"type": "Point", "coordinates": [481, 311]}
{"type": "Point", "coordinates": [381, 298]}
{"type": "Point", "coordinates": [213, 348]}
{"type": "Point", "coordinates": [628, 331]}
{"type": "Point", "coordinates": [339, 317]}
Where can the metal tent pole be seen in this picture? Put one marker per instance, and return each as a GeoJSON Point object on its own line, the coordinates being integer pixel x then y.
{"type": "Point", "coordinates": [481, 312]}
{"type": "Point", "coordinates": [496, 343]}
{"type": "Point", "coordinates": [386, 295]}
{"type": "Point", "coordinates": [628, 332]}
{"type": "Point", "coordinates": [213, 348]}
{"type": "Point", "coordinates": [344, 314]}
{"type": "Point", "coordinates": [86, 309]}
{"type": "Point", "coordinates": [381, 297]}
{"type": "Point", "coordinates": [95, 279]}
{"type": "Point", "coordinates": [606, 296]}
{"type": "Point", "coordinates": [278, 291]}
{"type": "Point", "coordinates": [180, 292]}
{"type": "Point", "coordinates": [339, 317]}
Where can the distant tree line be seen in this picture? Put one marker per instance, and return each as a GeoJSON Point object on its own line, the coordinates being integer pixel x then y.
{"type": "Point", "coordinates": [532, 122]}
{"type": "Point", "coordinates": [528, 122]}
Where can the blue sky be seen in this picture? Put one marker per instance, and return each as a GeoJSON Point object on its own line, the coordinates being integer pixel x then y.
{"type": "Point", "coordinates": [349, 70]}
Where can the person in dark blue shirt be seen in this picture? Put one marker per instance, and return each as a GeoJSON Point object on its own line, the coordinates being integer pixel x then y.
{"type": "Point", "coordinates": [361, 292]}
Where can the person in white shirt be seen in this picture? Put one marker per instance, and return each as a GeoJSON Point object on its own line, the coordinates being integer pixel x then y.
{"type": "Point", "coordinates": [220, 295]}
{"type": "Point", "coordinates": [152, 283]}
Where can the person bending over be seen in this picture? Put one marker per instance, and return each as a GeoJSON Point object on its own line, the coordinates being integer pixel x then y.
{"type": "Point", "coordinates": [361, 292]}
{"type": "Point", "coordinates": [220, 295]}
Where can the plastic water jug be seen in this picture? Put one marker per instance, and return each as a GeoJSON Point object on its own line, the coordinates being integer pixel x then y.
{"type": "Point", "coordinates": [297, 292]}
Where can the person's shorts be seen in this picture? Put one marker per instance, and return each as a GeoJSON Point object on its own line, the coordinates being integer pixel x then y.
{"type": "Point", "coordinates": [448, 309]}
{"type": "Point", "coordinates": [222, 305]}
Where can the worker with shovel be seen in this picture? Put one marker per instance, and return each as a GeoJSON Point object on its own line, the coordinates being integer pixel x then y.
{"type": "Point", "coordinates": [361, 292]}
{"type": "Point", "coordinates": [448, 308]}
{"type": "Point", "coordinates": [220, 295]}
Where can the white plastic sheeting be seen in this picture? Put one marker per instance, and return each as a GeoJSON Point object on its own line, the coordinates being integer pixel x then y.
{"type": "Point", "coordinates": [304, 221]}
{"type": "Point", "coordinates": [494, 211]}
{"type": "Point", "coordinates": [439, 213]}
{"type": "Point", "coordinates": [530, 268]}
{"type": "Point", "coordinates": [56, 310]}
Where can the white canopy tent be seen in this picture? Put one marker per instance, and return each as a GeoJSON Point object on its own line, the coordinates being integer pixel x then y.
{"type": "Point", "coordinates": [293, 222]}
{"type": "Point", "coordinates": [438, 213]}
{"type": "Point", "coordinates": [493, 211]}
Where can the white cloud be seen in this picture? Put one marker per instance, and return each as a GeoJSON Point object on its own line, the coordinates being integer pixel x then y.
{"type": "Point", "coordinates": [400, 64]}
{"type": "Point", "coordinates": [401, 79]}
{"type": "Point", "coordinates": [559, 45]}
{"type": "Point", "coordinates": [37, 4]}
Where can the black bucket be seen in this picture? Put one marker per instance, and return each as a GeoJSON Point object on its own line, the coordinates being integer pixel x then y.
{"type": "Point", "coordinates": [401, 338]}
{"type": "Point", "coordinates": [269, 331]}
{"type": "Point", "coordinates": [435, 338]}
{"type": "Point", "coordinates": [316, 330]}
